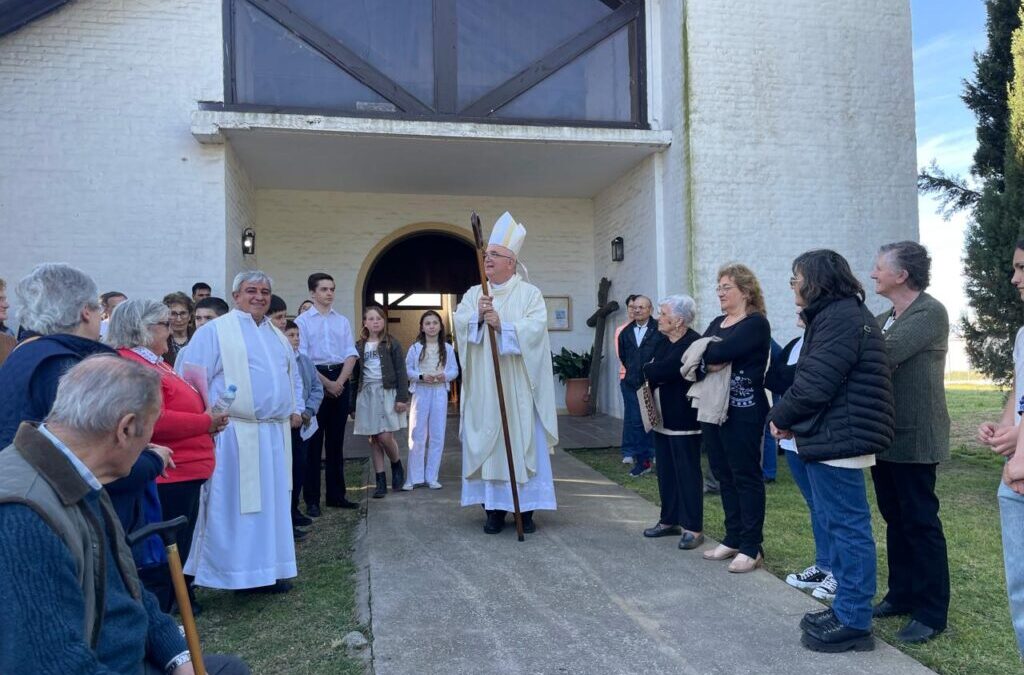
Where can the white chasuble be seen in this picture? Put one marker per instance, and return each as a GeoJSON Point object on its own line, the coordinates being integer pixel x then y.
{"type": "Point", "coordinates": [243, 536]}
{"type": "Point", "coordinates": [528, 386]}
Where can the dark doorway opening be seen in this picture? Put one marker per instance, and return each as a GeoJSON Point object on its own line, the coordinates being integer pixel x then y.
{"type": "Point", "coordinates": [424, 270]}
{"type": "Point", "coordinates": [428, 262]}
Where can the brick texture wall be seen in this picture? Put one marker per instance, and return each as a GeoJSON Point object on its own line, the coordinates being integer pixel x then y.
{"type": "Point", "coordinates": [802, 137]}
{"type": "Point", "coordinates": [97, 165]}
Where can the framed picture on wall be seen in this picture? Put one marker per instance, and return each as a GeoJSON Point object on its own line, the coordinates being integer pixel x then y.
{"type": "Point", "coordinates": [559, 312]}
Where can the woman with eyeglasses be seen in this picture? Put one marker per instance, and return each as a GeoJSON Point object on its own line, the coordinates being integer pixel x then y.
{"type": "Point", "coordinates": [839, 414]}
{"type": "Point", "coordinates": [734, 447]}
{"type": "Point", "coordinates": [140, 331]}
{"type": "Point", "coordinates": [181, 309]}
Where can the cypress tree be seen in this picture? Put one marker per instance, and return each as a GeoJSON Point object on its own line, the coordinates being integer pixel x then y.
{"type": "Point", "coordinates": [997, 98]}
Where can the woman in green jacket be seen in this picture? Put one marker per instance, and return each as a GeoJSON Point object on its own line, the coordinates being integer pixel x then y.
{"type": "Point", "coordinates": [916, 330]}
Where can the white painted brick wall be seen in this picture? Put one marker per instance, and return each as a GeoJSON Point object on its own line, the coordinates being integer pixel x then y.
{"type": "Point", "coordinates": [803, 137]}
{"type": "Point", "coordinates": [240, 207]}
{"type": "Point", "coordinates": [624, 209]}
{"type": "Point", "coordinates": [300, 232]}
{"type": "Point", "coordinates": [97, 164]}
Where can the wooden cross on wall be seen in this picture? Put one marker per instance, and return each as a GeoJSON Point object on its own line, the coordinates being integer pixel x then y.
{"type": "Point", "coordinates": [597, 320]}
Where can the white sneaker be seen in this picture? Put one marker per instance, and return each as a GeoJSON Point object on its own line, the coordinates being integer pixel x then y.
{"type": "Point", "coordinates": [434, 485]}
{"type": "Point", "coordinates": [826, 590]}
{"type": "Point", "coordinates": [407, 487]}
{"type": "Point", "coordinates": [627, 460]}
{"type": "Point", "coordinates": [812, 577]}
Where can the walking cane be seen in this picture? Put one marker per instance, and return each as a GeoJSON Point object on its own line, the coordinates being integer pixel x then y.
{"type": "Point", "coordinates": [480, 247]}
{"type": "Point", "coordinates": [167, 530]}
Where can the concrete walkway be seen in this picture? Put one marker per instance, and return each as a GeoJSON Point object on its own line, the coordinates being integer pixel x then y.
{"type": "Point", "coordinates": [585, 594]}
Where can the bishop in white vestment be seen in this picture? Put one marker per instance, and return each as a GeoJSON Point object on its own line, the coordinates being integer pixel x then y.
{"type": "Point", "coordinates": [243, 537]}
{"type": "Point", "coordinates": [516, 310]}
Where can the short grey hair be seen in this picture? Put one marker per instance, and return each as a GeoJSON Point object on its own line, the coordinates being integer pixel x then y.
{"type": "Point", "coordinates": [250, 276]}
{"type": "Point", "coordinates": [94, 395]}
{"type": "Point", "coordinates": [132, 321]}
{"type": "Point", "coordinates": [51, 298]}
{"type": "Point", "coordinates": [912, 258]}
{"type": "Point", "coordinates": [682, 306]}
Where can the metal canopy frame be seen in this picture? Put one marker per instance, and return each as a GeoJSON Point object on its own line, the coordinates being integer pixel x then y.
{"type": "Point", "coordinates": [627, 13]}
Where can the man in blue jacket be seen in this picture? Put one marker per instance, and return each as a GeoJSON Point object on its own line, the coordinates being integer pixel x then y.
{"type": "Point", "coordinates": [72, 601]}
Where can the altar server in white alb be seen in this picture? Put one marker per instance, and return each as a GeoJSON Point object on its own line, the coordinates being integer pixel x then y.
{"type": "Point", "coordinates": [243, 537]}
{"type": "Point", "coordinates": [516, 310]}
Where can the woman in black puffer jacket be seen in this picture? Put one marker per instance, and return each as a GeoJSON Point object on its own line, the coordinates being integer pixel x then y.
{"type": "Point", "coordinates": [839, 412]}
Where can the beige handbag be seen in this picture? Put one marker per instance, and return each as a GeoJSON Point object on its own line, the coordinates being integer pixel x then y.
{"type": "Point", "coordinates": [650, 410]}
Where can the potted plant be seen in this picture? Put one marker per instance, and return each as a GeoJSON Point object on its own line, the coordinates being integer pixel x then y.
{"type": "Point", "coordinates": [573, 370]}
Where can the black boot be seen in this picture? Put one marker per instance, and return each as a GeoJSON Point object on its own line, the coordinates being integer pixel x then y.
{"type": "Point", "coordinates": [397, 475]}
{"type": "Point", "coordinates": [528, 525]}
{"type": "Point", "coordinates": [382, 485]}
{"type": "Point", "coordinates": [495, 521]}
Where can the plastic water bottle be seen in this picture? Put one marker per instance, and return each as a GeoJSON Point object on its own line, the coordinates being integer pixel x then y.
{"type": "Point", "coordinates": [226, 399]}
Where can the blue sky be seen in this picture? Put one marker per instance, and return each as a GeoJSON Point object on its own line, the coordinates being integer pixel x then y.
{"type": "Point", "coordinates": [946, 35]}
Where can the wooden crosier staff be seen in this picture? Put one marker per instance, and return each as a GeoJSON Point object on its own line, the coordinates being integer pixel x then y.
{"type": "Point", "coordinates": [480, 248]}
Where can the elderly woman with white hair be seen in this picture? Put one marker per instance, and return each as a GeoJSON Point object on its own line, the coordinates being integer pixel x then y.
{"type": "Point", "coordinates": [139, 331]}
{"type": "Point", "coordinates": [677, 438]}
{"type": "Point", "coordinates": [57, 303]}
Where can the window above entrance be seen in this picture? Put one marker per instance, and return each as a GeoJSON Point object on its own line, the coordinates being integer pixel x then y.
{"type": "Point", "coordinates": [571, 62]}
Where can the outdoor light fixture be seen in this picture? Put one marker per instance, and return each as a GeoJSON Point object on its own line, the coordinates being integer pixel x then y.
{"type": "Point", "coordinates": [248, 241]}
{"type": "Point", "coordinates": [618, 249]}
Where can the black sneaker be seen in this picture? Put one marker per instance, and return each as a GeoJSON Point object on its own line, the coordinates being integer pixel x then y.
{"type": "Point", "coordinates": [299, 520]}
{"type": "Point", "coordinates": [814, 619]}
{"type": "Point", "coordinates": [640, 469]}
{"type": "Point", "coordinates": [833, 637]}
{"type": "Point", "coordinates": [809, 578]}
{"type": "Point", "coordinates": [529, 527]}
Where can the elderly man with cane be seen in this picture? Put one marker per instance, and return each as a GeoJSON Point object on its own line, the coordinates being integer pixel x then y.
{"type": "Point", "coordinates": [72, 600]}
{"type": "Point", "coordinates": [515, 311]}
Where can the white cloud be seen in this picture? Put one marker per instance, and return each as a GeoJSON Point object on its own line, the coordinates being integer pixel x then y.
{"type": "Point", "coordinates": [953, 150]}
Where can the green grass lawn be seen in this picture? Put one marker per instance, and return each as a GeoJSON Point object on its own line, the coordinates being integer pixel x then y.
{"type": "Point", "coordinates": [299, 632]}
{"type": "Point", "coordinates": [980, 637]}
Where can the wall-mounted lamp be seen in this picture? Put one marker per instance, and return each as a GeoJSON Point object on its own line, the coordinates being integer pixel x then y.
{"type": "Point", "coordinates": [618, 249]}
{"type": "Point", "coordinates": [248, 241]}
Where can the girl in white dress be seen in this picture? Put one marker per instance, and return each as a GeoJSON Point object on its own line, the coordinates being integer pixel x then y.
{"type": "Point", "coordinates": [431, 365]}
{"type": "Point", "coordinates": [381, 399]}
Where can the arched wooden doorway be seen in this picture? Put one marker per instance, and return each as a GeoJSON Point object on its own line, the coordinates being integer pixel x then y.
{"type": "Point", "coordinates": [426, 269]}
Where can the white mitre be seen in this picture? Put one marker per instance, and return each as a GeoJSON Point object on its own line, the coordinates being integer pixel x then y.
{"type": "Point", "coordinates": [508, 233]}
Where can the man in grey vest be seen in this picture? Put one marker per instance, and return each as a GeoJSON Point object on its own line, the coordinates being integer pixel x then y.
{"type": "Point", "coordinates": [71, 597]}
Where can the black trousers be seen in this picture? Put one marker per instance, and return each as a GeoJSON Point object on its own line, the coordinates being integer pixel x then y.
{"type": "Point", "coordinates": [916, 545]}
{"type": "Point", "coordinates": [299, 453]}
{"type": "Point", "coordinates": [216, 664]}
{"type": "Point", "coordinates": [330, 436]}
{"type": "Point", "coordinates": [680, 481]}
{"type": "Point", "coordinates": [181, 499]}
{"type": "Point", "coordinates": [734, 454]}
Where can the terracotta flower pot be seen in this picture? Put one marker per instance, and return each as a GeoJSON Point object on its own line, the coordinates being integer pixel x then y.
{"type": "Point", "coordinates": [576, 395]}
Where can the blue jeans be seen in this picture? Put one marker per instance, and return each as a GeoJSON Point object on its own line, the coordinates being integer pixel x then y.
{"type": "Point", "coordinates": [636, 442]}
{"type": "Point", "coordinates": [1011, 513]}
{"type": "Point", "coordinates": [822, 546]}
{"type": "Point", "coordinates": [769, 455]}
{"type": "Point", "coordinates": [840, 497]}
